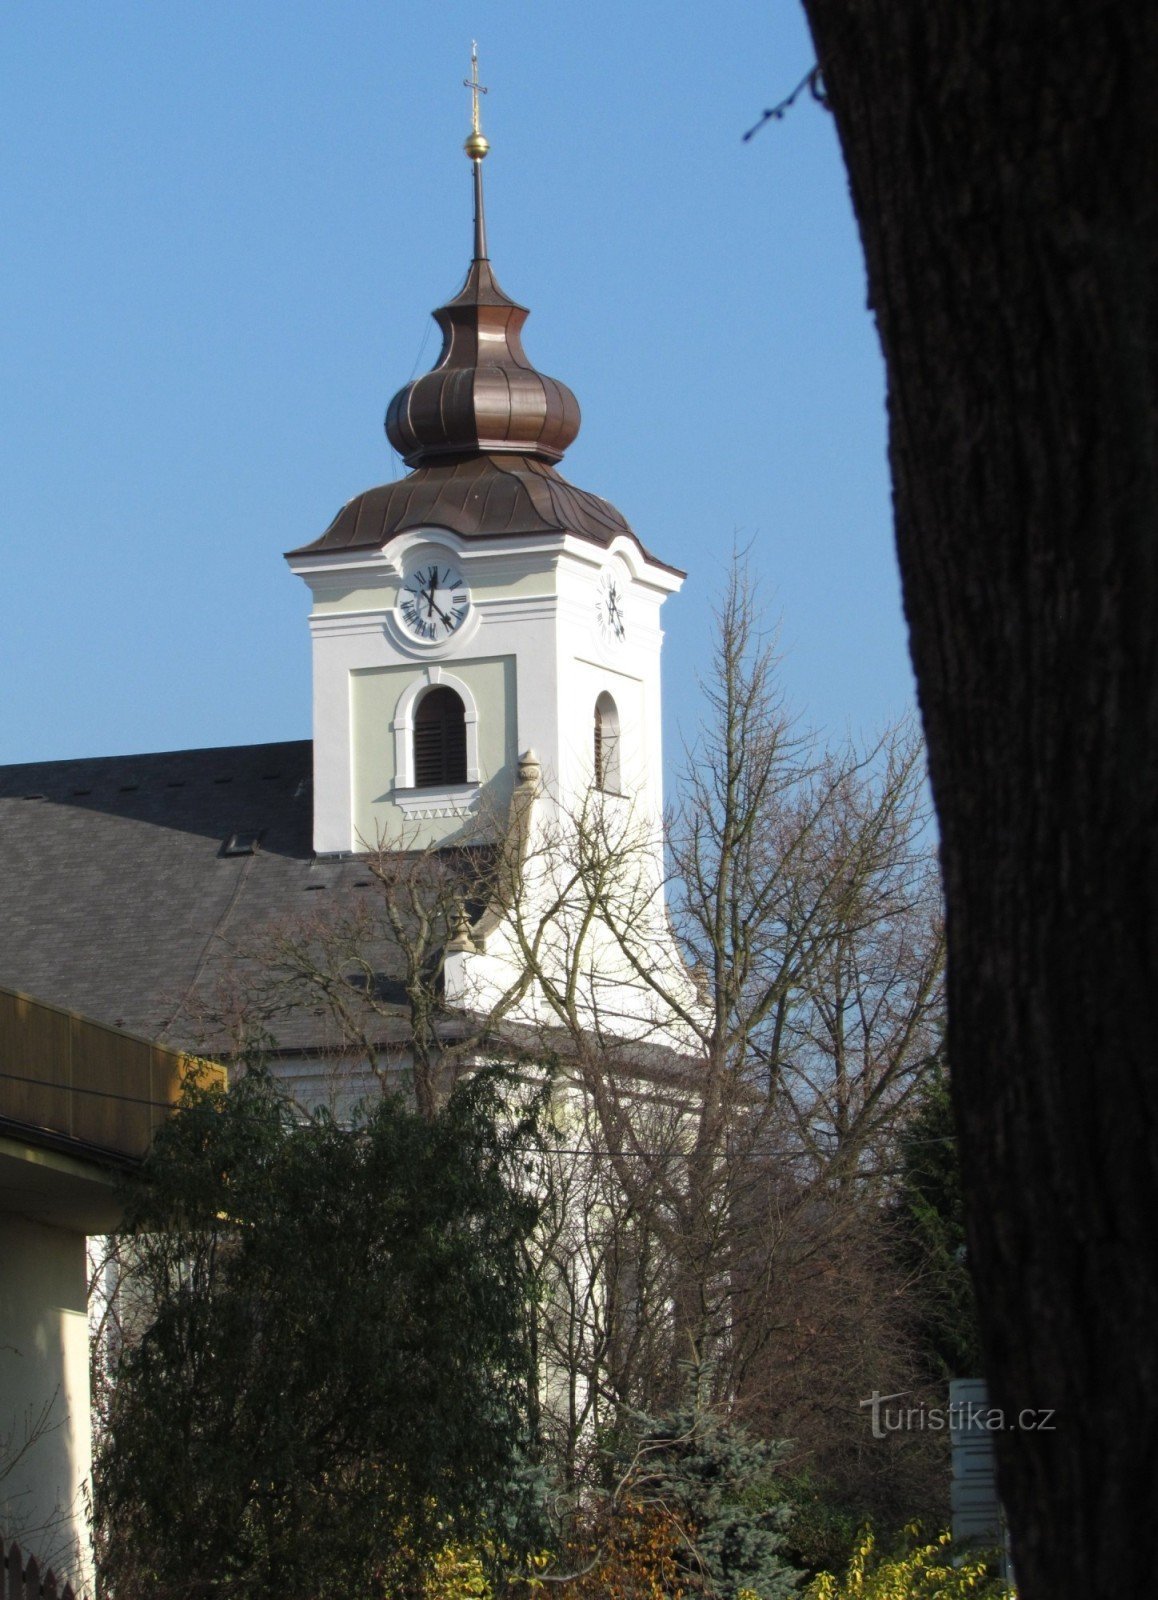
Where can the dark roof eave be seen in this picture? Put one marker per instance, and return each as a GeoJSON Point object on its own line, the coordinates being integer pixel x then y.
{"type": "Point", "coordinates": [65, 1144]}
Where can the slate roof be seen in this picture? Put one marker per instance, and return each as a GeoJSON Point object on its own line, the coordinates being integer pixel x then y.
{"type": "Point", "coordinates": [120, 898]}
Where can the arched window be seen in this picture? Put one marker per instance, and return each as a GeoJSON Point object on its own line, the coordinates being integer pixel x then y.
{"type": "Point", "coordinates": [439, 739]}
{"type": "Point", "coordinates": [607, 745]}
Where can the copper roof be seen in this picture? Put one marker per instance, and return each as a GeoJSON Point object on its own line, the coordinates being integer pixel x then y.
{"type": "Point", "coordinates": [482, 430]}
{"type": "Point", "coordinates": [478, 497]}
{"type": "Point", "coordinates": [483, 394]}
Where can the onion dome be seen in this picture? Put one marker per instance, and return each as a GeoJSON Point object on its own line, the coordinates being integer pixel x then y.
{"type": "Point", "coordinates": [483, 395]}
{"type": "Point", "coordinates": [481, 432]}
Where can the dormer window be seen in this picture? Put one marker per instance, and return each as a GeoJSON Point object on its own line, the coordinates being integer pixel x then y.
{"type": "Point", "coordinates": [607, 775]}
{"type": "Point", "coordinates": [439, 739]}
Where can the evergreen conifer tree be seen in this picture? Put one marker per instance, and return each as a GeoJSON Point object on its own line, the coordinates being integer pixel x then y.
{"type": "Point", "coordinates": [718, 1483]}
{"type": "Point", "coordinates": [929, 1216]}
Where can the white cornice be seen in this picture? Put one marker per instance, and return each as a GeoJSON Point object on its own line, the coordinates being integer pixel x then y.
{"type": "Point", "coordinates": [478, 553]}
{"type": "Point", "coordinates": [643, 570]}
{"type": "Point", "coordinates": [517, 607]}
{"type": "Point", "coordinates": [325, 624]}
{"type": "Point", "coordinates": [393, 555]}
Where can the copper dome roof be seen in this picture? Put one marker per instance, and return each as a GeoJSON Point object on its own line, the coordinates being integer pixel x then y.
{"type": "Point", "coordinates": [477, 497]}
{"type": "Point", "coordinates": [482, 430]}
{"type": "Point", "coordinates": [483, 395]}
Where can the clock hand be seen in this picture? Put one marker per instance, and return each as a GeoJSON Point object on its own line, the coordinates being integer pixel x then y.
{"type": "Point", "coordinates": [441, 612]}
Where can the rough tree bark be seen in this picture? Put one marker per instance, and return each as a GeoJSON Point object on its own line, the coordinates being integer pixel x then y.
{"type": "Point", "coordinates": [1003, 160]}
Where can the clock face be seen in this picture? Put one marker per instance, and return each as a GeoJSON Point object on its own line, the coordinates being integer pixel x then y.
{"type": "Point", "coordinates": [609, 608]}
{"type": "Point", "coordinates": [433, 603]}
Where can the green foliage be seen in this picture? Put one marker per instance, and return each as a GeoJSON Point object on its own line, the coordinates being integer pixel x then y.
{"type": "Point", "coordinates": [916, 1570]}
{"type": "Point", "coordinates": [335, 1373]}
{"type": "Point", "coordinates": [719, 1485]}
{"type": "Point", "coordinates": [929, 1217]}
{"type": "Point", "coordinates": [457, 1572]}
{"type": "Point", "coordinates": [823, 1526]}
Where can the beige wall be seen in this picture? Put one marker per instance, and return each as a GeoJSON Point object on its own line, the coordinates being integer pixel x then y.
{"type": "Point", "coordinates": [87, 1096]}
{"type": "Point", "coordinates": [338, 597]}
{"type": "Point", "coordinates": [44, 1395]}
{"type": "Point", "coordinates": [374, 696]}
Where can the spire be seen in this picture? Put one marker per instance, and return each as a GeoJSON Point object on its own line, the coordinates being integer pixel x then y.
{"type": "Point", "coordinates": [483, 397]}
{"type": "Point", "coordinates": [476, 147]}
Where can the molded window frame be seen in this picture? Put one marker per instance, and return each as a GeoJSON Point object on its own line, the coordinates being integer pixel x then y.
{"type": "Point", "coordinates": [402, 728]}
{"type": "Point", "coordinates": [607, 745]}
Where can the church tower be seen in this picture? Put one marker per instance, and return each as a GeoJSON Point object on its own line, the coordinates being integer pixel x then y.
{"type": "Point", "coordinates": [481, 607]}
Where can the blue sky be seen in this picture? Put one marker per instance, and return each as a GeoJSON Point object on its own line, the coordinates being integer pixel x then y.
{"type": "Point", "coordinates": [225, 225]}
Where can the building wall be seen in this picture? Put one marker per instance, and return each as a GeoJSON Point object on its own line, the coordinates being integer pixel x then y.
{"type": "Point", "coordinates": [533, 609]}
{"type": "Point", "coordinates": [375, 696]}
{"type": "Point", "coordinates": [81, 1101]}
{"type": "Point", "coordinates": [530, 659]}
{"type": "Point", "coordinates": [44, 1395]}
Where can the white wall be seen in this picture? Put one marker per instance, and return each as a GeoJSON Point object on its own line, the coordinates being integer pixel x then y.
{"type": "Point", "coordinates": [533, 609]}
{"type": "Point", "coordinates": [529, 661]}
{"type": "Point", "coordinates": [44, 1395]}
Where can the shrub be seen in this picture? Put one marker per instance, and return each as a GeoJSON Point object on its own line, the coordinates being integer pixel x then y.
{"type": "Point", "coordinates": [631, 1553]}
{"type": "Point", "coordinates": [823, 1526]}
{"type": "Point", "coordinates": [915, 1571]}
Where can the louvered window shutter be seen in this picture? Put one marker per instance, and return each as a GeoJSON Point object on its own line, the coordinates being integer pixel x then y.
{"type": "Point", "coordinates": [439, 740]}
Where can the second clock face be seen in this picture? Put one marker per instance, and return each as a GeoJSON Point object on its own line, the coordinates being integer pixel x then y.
{"type": "Point", "coordinates": [609, 610]}
{"type": "Point", "coordinates": [434, 602]}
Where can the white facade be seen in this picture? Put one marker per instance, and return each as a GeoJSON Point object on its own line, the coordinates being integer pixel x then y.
{"type": "Point", "coordinates": [45, 1431]}
{"type": "Point", "coordinates": [529, 662]}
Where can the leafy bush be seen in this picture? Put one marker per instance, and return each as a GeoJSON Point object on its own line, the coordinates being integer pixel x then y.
{"type": "Point", "coordinates": [915, 1571]}
{"type": "Point", "coordinates": [823, 1526]}
{"type": "Point", "coordinates": [334, 1373]}
{"type": "Point", "coordinates": [458, 1572]}
{"type": "Point", "coordinates": [630, 1552]}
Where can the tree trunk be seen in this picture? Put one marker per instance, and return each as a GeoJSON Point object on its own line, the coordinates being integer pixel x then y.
{"type": "Point", "coordinates": [1003, 160]}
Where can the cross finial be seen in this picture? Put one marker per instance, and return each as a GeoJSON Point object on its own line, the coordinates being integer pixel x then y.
{"type": "Point", "coordinates": [476, 147]}
{"type": "Point", "coordinates": [476, 88]}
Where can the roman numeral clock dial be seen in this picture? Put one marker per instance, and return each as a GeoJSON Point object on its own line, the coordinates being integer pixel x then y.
{"type": "Point", "coordinates": [434, 603]}
{"type": "Point", "coordinates": [609, 609]}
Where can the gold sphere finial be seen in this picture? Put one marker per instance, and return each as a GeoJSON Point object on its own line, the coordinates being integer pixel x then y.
{"type": "Point", "coordinates": [476, 145]}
